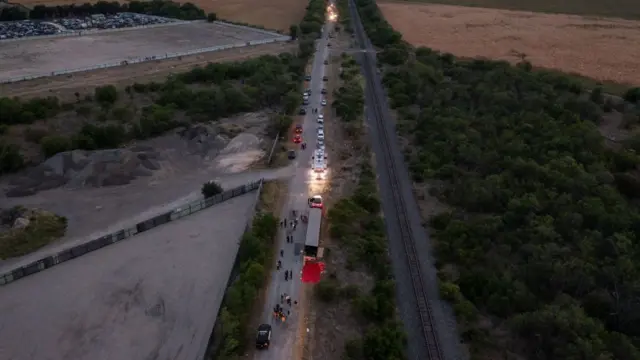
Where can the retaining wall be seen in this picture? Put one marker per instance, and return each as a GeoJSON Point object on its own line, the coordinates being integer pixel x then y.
{"type": "Point", "coordinates": [76, 251]}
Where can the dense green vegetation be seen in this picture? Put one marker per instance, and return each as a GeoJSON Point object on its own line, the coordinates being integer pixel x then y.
{"type": "Point", "coordinates": [224, 89]}
{"type": "Point", "coordinates": [255, 254]}
{"type": "Point", "coordinates": [358, 229]}
{"type": "Point", "coordinates": [628, 9]}
{"type": "Point", "coordinates": [165, 8]}
{"type": "Point", "coordinates": [356, 224]}
{"type": "Point", "coordinates": [541, 236]}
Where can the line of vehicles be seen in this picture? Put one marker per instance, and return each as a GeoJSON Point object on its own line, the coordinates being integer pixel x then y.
{"type": "Point", "coordinates": [315, 203]}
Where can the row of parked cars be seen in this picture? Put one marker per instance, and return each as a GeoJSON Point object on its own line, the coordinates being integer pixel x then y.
{"type": "Point", "coordinates": [115, 21]}
{"type": "Point", "coordinates": [26, 28]}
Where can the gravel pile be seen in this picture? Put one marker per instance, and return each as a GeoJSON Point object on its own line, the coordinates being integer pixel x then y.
{"type": "Point", "coordinates": [80, 168]}
{"type": "Point", "coordinates": [191, 146]}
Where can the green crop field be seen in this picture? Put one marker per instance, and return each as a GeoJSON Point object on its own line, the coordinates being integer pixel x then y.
{"type": "Point", "coordinates": [627, 9]}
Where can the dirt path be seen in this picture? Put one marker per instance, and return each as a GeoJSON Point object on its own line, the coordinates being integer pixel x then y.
{"type": "Point", "coordinates": [65, 86]}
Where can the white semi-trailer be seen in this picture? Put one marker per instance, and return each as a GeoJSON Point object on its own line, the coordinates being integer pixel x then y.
{"type": "Point", "coordinates": [313, 233]}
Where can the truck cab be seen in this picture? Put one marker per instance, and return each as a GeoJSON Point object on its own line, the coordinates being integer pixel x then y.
{"type": "Point", "coordinates": [316, 202]}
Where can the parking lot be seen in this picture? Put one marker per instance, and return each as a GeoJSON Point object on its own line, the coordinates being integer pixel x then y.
{"type": "Point", "coordinates": [43, 56]}
{"type": "Point", "coordinates": [27, 28]}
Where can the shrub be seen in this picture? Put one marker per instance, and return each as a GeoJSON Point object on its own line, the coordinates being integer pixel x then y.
{"type": "Point", "coordinates": [211, 17]}
{"type": "Point", "coordinates": [211, 189]}
{"type": "Point", "coordinates": [107, 95]}
{"type": "Point", "coordinates": [10, 158]}
{"type": "Point", "coordinates": [53, 144]}
{"type": "Point", "coordinates": [327, 290]}
{"type": "Point", "coordinates": [35, 134]}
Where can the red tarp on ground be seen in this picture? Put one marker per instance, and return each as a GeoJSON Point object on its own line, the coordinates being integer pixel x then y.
{"type": "Point", "coordinates": [312, 271]}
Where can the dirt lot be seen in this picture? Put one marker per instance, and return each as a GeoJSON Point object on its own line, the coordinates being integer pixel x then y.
{"type": "Point", "coordinates": [597, 48]}
{"type": "Point", "coordinates": [43, 56]}
{"type": "Point", "coordinates": [627, 9]}
{"type": "Point", "coordinates": [155, 295]}
{"type": "Point", "coordinates": [65, 86]}
{"type": "Point", "coordinates": [275, 14]}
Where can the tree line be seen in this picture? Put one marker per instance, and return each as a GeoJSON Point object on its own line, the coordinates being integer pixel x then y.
{"type": "Point", "coordinates": [164, 8]}
{"type": "Point", "coordinates": [231, 88]}
{"type": "Point", "coordinates": [255, 254]}
{"type": "Point", "coordinates": [541, 235]}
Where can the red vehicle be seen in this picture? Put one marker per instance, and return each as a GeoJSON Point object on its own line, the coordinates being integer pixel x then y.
{"type": "Point", "coordinates": [298, 129]}
{"type": "Point", "coordinates": [297, 139]}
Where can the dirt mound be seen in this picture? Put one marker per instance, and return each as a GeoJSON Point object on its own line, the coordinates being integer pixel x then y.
{"type": "Point", "coordinates": [23, 230]}
{"type": "Point", "coordinates": [242, 151]}
{"type": "Point", "coordinates": [192, 146]}
{"type": "Point", "coordinates": [80, 168]}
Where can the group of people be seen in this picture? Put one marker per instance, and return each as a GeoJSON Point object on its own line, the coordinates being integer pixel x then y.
{"type": "Point", "coordinates": [278, 310]}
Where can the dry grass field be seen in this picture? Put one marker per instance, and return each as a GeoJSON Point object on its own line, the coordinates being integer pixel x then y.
{"type": "Point", "coordinates": [602, 49]}
{"type": "Point", "coordinates": [626, 9]}
{"type": "Point", "coordinates": [274, 14]}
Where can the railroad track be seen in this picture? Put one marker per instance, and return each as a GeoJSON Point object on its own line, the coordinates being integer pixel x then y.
{"type": "Point", "coordinates": [424, 306]}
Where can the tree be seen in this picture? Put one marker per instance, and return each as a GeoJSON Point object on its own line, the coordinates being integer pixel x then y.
{"type": "Point", "coordinates": [211, 17]}
{"type": "Point", "coordinates": [211, 189]}
{"type": "Point", "coordinates": [106, 95]}
{"type": "Point", "coordinates": [293, 31]}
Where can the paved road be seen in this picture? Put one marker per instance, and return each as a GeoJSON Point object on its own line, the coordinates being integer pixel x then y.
{"type": "Point", "coordinates": [300, 187]}
{"type": "Point", "coordinates": [444, 321]}
{"type": "Point", "coordinates": [154, 296]}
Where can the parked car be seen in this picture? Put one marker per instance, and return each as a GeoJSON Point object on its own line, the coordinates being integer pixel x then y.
{"type": "Point", "coordinates": [324, 91]}
{"type": "Point", "coordinates": [291, 155]}
{"type": "Point", "coordinates": [263, 337]}
{"type": "Point", "coordinates": [325, 78]}
{"type": "Point", "coordinates": [323, 102]}
{"type": "Point", "coordinates": [320, 119]}
{"type": "Point", "coordinates": [326, 62]}
{"type": "Point", "coordinates": [303, 111]}
{"type": "Point", "coordinates": [308, 77]}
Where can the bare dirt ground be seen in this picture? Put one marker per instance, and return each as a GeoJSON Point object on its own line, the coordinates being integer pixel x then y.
{"type": "Point", "coordinates": [601, 49]}
{"type": "Point", "coordinates": [276, 14]}
{"type": "Point", "coordinates": [65, 86]}
{"type": "Point", "coordinates": [331, 325]}
{"type": "Point", "coordinates": [154, 296]}
{"type": "Point", "coordinates": [33, 57]}
{"type": "Point", "coordinates": [170, 172]}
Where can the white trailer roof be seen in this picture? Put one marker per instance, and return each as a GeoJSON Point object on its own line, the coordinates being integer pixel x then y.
{"type": "Point", "coordinates": [313, 228]}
